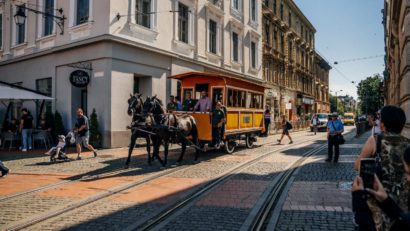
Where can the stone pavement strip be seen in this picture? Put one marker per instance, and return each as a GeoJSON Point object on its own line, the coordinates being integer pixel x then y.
{"type": "Point", "coordinates": [320, 196]}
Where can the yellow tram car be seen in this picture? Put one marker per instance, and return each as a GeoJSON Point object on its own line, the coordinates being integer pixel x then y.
{"type": "Point", "coordinates": [243, 99]}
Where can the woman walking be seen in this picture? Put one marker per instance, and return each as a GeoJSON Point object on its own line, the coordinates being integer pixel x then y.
{"type": "Point", "coordinates": [286, 126]}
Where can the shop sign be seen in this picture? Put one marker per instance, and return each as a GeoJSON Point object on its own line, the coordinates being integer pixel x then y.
{"type": "Point", "coordinates": [288, 106]}
{"type": "Point", "coordinates": [79, 78]}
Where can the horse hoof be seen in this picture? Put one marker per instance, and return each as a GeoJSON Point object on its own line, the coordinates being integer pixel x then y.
{"type": "Point", "coordinates": [126, 166]}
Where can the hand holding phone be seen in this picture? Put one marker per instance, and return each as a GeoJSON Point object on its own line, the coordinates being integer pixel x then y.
{"type": "Point", "coordinates": [367, 171]}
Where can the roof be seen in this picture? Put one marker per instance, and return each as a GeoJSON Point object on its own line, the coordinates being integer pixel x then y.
{"type": "Point", "coordinates": [217, 75]}
{"type": "Point", "coordinates": [10, 92]}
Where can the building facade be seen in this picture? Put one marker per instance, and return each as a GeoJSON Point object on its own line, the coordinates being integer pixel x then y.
{"type": "Point", "coordinates": [396, 19]}
{"type": "Point", "coordinates": [289, 61]}
{"type": "Point", "coordinates": [125, 46]}
{"type": "Point", "coordinates": [322, 68]}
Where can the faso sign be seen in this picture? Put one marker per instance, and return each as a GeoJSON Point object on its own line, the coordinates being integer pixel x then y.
{"type": "Point", "coordinates": [79, 78]}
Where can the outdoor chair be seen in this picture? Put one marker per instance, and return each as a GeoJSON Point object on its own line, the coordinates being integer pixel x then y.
{"type": "Point", "coordinates": [43, 137]}
{"type": "Point", "coordinates": [9, 137]}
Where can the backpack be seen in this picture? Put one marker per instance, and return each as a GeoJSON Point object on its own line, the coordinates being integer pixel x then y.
{"type": "Point", "coordinates": [288, 125]}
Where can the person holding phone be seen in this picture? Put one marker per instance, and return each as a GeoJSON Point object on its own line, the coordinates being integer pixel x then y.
{"type": "Point", "coordinates": [363, 215]}
{"type": "Point", "coordinates": [391, 145]}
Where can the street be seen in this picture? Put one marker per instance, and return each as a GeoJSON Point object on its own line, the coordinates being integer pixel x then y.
{"type": "Point", "coordinates": [220, 192]}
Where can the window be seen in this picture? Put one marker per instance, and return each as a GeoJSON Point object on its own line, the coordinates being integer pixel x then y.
{"type": "Point", "coordinates": [274, 6]}
{"type": "Point", "coordinates": [212, 36]}
{"type": "Point", "coordinates": [136, 87]}
{"type": "Point", "coordinates": [83, 11]}
{"type": "Point", "coordinates": [267, 33]}
{"type": "Point", "coordinates": [48, 20]}
{"type": "Point", "coordinates": [253, 55]}
{"type": "Point", "coordinates": [253, 10]}
{"type": "Point", "coordinates": [20, 29]}
{"type": "Point", "coordinates": [1, 31]}
{"type": "Point", "coordinates": [143, 13]}
{"type": "Point", "coordinates": [254, 101]}
{"type": "Point", "coordinates": [235, 4]}
{"type": "Point", "coordinates": [282, 43]}
{"type": "Point", "coordinates": [290, 19]}
{"type": "Point", "coordinates": [281, 10]}
{"type": "Point", "coordinates": [235, 47]}
{"type": "Point", "coordinates": [44, 86]}
{"type": "Point", "coordinates": [183, 22]}
{"type": "Point", "coordinates": [236, 98]}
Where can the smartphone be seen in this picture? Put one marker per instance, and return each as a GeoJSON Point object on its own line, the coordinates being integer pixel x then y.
{"type": "Point", "coordinates": [367, 171]}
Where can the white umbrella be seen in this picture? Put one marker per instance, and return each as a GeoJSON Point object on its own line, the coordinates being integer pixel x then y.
{"type": "Point", "coordinates": [11, 93]}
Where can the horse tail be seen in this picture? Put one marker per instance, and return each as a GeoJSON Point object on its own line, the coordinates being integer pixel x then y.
{"type": "Point", "coordinates": [194, 131]}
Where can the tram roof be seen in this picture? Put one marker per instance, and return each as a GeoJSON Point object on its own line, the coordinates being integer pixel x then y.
{"type": "Point", "coordinates": [253, 81]}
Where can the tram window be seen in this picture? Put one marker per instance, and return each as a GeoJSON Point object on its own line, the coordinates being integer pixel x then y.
{"type": "Point", "coordinates": [236, 98]}
{"type": "Point", "coordinates": [255, 100]}
{"type": "Point", "coordinates": [243, 99]}
{"type": "Point", "coordinates": [188, 91]}
{"type": "Point", "coordinates": [199, 88]}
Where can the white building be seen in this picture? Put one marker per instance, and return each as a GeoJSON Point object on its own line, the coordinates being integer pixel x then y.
{"type": "Point", "coordinates": [124, 46]}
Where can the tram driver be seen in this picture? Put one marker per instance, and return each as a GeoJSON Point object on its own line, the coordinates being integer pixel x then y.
{"type": "Point", "coordinates": [218, 120]}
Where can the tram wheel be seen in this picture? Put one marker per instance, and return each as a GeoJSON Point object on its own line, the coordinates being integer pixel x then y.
{"type": "Point", "coordinates": [229, 146]}
{"type": "Point", "coordinates": [249, 141]}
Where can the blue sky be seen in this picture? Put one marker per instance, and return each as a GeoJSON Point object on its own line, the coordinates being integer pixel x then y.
{"type": "Point", "coordinates": [347, 29]}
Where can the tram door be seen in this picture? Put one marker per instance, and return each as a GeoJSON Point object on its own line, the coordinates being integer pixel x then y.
{"type": "Point", "coordinates": [217, 94]}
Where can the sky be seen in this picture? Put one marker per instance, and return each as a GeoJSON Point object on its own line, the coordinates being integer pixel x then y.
{"type": "Point", "coordinates": [347, 29]}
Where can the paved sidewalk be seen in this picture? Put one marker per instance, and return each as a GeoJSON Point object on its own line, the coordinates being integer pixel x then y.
{"type": "Point", "coordinates": [320, 196]}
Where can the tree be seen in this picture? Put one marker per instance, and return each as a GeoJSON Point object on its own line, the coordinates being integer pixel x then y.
{"type": "Point", "coordinates": [370, 96]}
{"type": "Point", "coordinates": [95, 134]}
{"type": "Point", "coordinates": [340, 105]}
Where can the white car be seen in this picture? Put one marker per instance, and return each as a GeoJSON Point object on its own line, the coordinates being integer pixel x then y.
{"type": "Point", "coordinates": [323, 118]}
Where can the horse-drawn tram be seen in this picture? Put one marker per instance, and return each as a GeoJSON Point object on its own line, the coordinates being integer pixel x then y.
{"type": "Point", "coordinates": [244, 104]}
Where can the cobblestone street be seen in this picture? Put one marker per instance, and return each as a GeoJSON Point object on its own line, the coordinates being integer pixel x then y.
{"type": "Point", "coordinates": [97, 193]}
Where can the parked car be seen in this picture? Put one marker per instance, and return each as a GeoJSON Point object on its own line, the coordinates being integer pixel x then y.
{"type": "Point", "coordinates": [323, 118]}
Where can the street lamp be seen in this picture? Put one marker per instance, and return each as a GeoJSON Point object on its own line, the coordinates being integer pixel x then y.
{"type": "Point", "coordinates": [20, 16]}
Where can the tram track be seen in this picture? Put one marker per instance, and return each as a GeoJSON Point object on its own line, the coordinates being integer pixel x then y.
{"type": "Point", "coordinates": [18, 225]}
{"type": "Point", "coordinates": [103, 174]}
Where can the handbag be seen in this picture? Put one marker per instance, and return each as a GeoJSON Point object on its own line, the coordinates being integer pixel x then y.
{"type": "Point", "coordinates": [340, 138]}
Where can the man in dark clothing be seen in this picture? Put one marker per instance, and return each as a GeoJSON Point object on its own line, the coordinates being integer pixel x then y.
{"type": "Point", "coordinates": [172, 105]}
{"type": "Point", "coordinates": [363, 215]}
{"type": "Point", "coordinates": [189, 103]}
{"type": "Point", "coordinates": [218, 118]}
{"type": "Point", "coordinates": [267, 119]}
{"type": "Point", "coordinates": [26, 129]}
{"type": "Point", "coordinates": [3, 169]}
{"type": "Point", "coordinates": [82, 128]}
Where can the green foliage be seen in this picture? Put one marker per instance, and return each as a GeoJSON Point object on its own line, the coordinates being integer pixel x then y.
{"type": "Point", "coordinates": [95, 134]}
{"type": "Point", "coordinates": [340, 105]}
{"type": "Point", "coordinates": [58, 124]}
{"type": "Point", "coordinates": [370, 95]}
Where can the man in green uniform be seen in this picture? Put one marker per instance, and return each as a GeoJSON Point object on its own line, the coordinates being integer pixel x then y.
{"type": "Point", "coordinates": [172, 105]}
{"type": "Point", "coordinates": [188, 104]}
{"type": "Point", "coordinates": [218, 118]}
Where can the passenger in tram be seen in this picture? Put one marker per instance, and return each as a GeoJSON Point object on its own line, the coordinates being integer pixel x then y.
{"type": "Point", "coordinates": [189, 103]}
{"type": "Point", "coordinates": [218, 119]}
{"type": "Point", "coordinates": [178, 103]}
{"type": "Point", "coordinates": [172, 105]}
{"type": "Point", "coordinates": [203, 104]}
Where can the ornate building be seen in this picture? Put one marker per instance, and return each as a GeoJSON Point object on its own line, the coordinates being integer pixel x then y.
{"type": "Point", "coordinates": [397, 74]}
{"type": "Point", "coordinates": [289, 61]}
{"type": "Point", "coordinates": [322, 68]}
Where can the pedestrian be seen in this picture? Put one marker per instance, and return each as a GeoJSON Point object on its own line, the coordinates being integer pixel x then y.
{"type": "Point", "coordinates": [392, 145]}
{"type": "Point", "coordinates": [375, 123]}
{"type": "Point", "coordinates": [189, 103]}
{"type": "Point", "coordinates": [335, 129]}
{"type": "Point", "coordinates": [203, 104]}
{"type": "Point", "coordinates": [82, 128]}
{"type": "Point", "coordinates": [178, 103]}
{"type": "Point", "coordinates": [315, 123]}
{"type": "Point", "coordinates": [267, 119]}
{"type": "Point", "coordinates": [363, 215]}
{"type": "Point", "coordinates": [3, 169]}
{"type": "Point", "coordinates": [172, 105]}
{"type": "Point", "coordinates": [218, 118]}
{"type": "Point", "coordinates": [26, 129]}
{"type": "Point", "coordinates": [286, 126]}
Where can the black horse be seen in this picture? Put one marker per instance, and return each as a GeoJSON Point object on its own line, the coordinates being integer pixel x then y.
{"type": "Point", "coordinates": [169, 129]}
{"type": "Point", "coordinates": [135, 109]}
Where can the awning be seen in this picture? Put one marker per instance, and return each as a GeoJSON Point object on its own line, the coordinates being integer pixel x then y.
{"type": "Point", "coordinates": [11, 93]}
